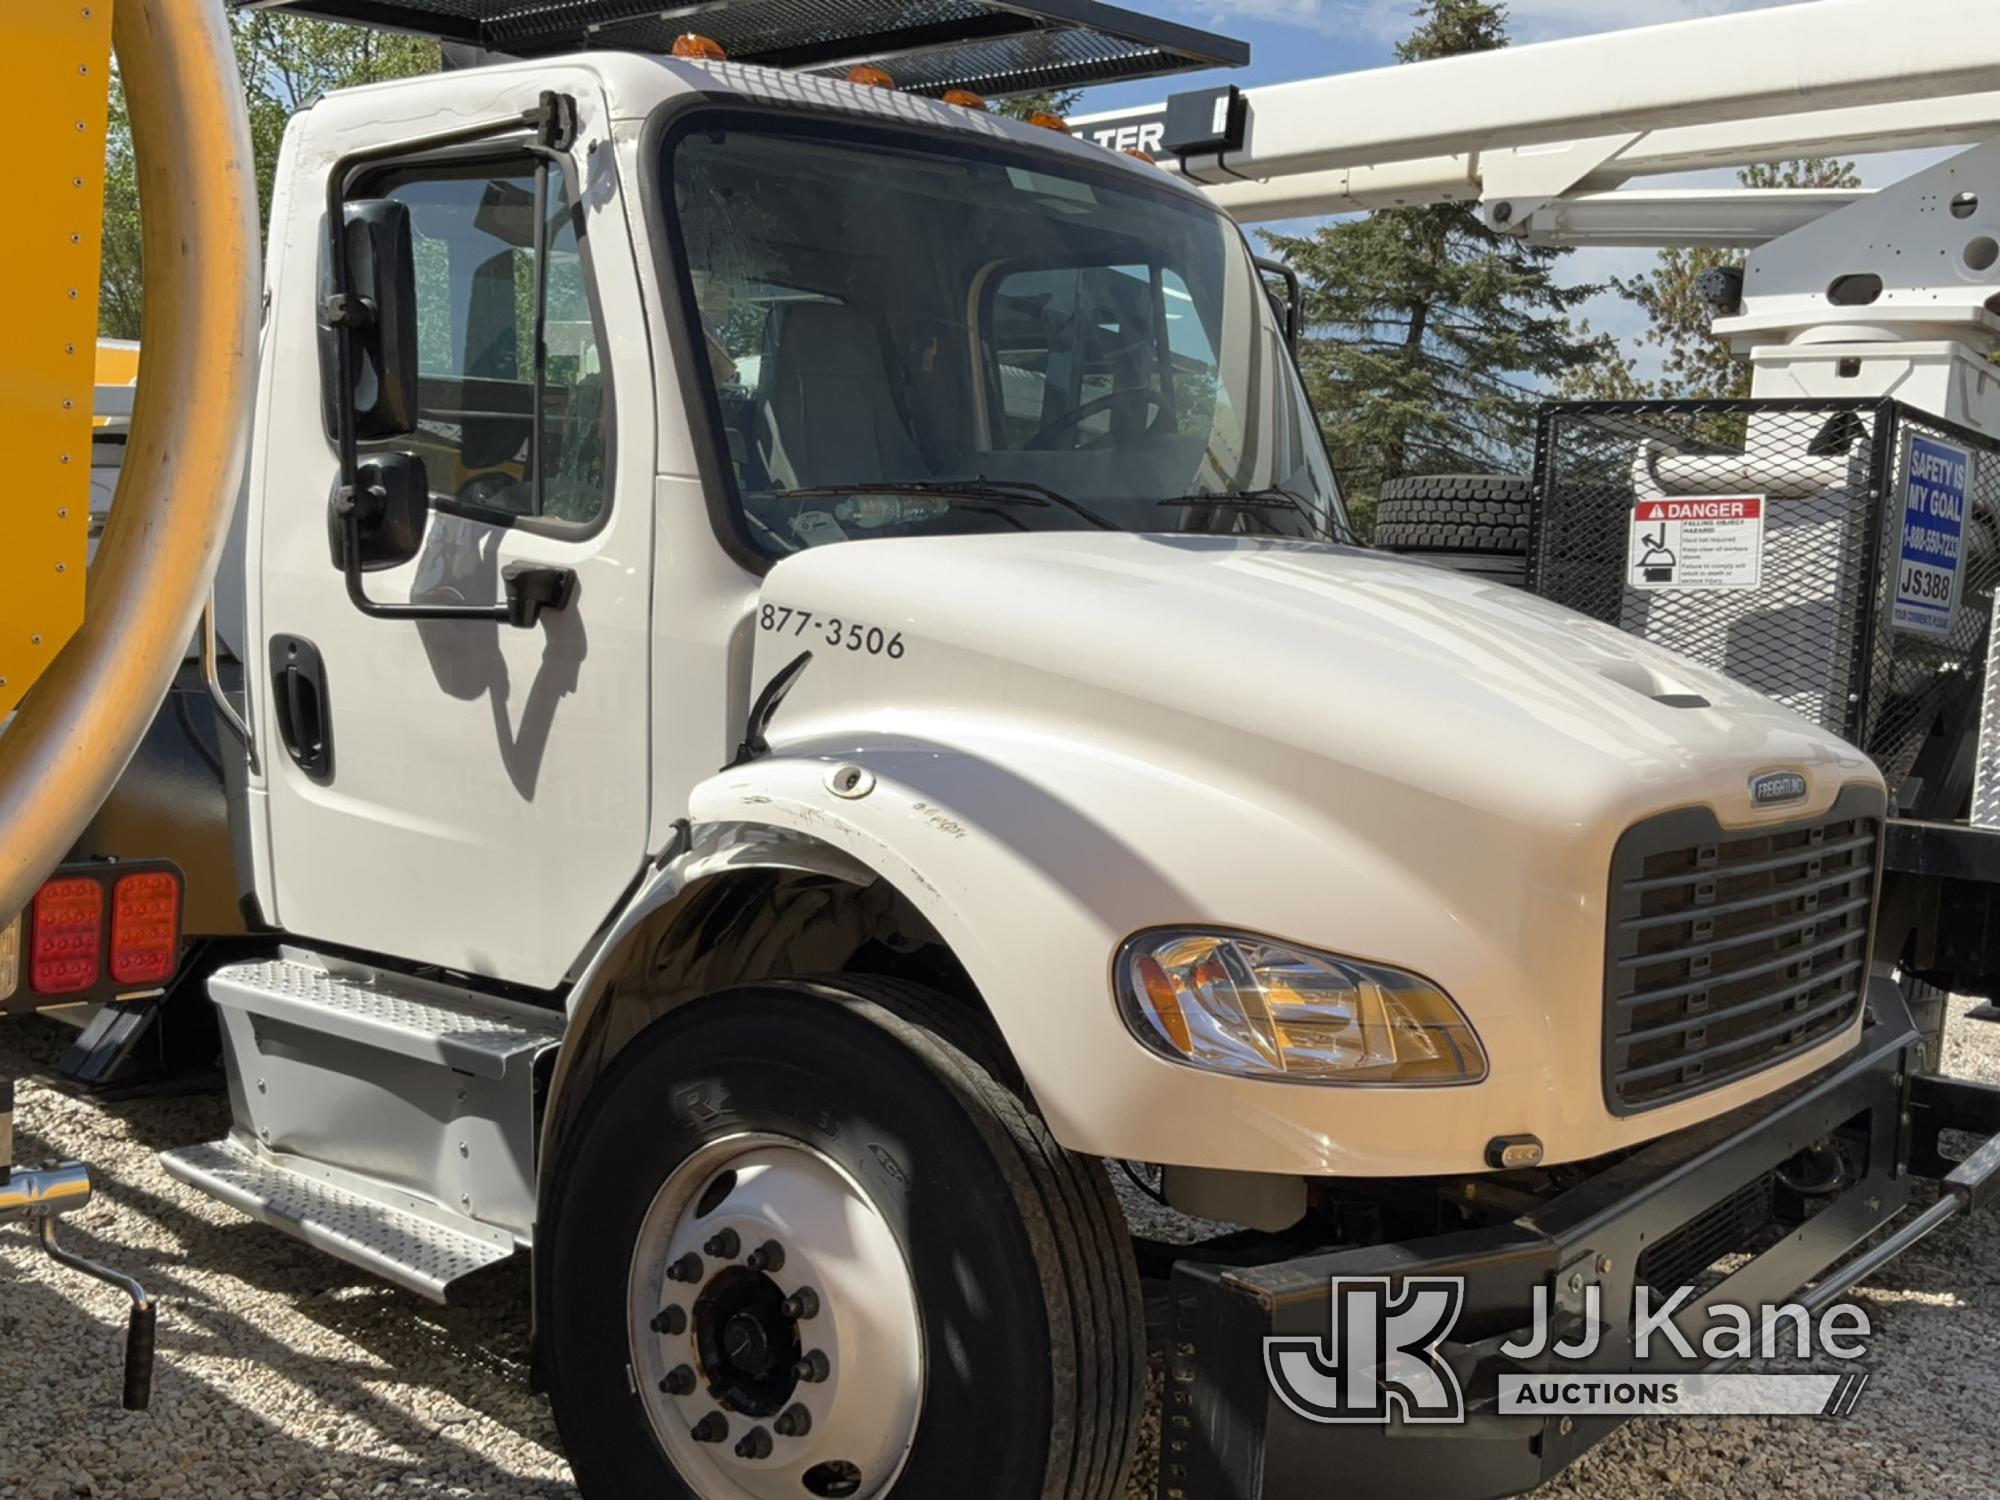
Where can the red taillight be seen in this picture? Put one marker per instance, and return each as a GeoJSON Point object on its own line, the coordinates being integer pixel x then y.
{"type": "Point", "coordinates": [145, 928]}
{"type": "Point", "coordinates": [66, 951]}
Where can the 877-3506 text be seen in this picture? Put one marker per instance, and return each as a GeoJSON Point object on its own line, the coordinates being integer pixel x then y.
{"type": "Point", "coordinates": [851, 635]}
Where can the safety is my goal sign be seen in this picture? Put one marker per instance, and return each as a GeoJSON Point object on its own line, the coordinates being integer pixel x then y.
{"type": "Point", "coordinates": [1697, 542]}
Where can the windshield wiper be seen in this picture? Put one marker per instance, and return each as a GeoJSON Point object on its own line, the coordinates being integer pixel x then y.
{"type": "Point", "coordinates": [1270, 499]}
{"type": "Point", "coordinates": [991, 491]}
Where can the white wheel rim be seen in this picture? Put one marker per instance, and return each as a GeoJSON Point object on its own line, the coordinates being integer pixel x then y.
{"type": "Point", "coordinates": [712, 1338]}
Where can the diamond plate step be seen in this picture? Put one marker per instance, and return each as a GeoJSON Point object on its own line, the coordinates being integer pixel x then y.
{"type": "Point", "coordinates": [414, 1245]}
{"type": "Point", "coordinates": [467, 1032]}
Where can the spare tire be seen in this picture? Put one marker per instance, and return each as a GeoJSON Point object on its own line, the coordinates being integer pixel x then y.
{"type": "Point", "coordinates": [1471, 523]}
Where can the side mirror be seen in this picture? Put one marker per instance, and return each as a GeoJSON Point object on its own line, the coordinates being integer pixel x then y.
{"type": "Point", "coordinates": [387, 513]}
{"type": "Point", "coordinates": [380, 308]}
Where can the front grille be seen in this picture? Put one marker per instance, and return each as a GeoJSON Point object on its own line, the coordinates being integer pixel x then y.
{"type": "Point", "coordinates": [1729, 951]}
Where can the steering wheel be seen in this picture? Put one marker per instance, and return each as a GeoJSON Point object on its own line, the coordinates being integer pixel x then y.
{"type": "Point", "coordinates": [1110, 401]}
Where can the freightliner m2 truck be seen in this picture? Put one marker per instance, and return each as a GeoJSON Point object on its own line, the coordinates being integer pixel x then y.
{"type": "Point", "coordinates": [809, 699]}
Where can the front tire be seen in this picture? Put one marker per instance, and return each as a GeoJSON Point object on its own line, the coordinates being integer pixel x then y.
{"type": "Point", "coordinates": [974, 1324]}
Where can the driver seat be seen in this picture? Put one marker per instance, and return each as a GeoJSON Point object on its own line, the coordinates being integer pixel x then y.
{"type": "Point", "coordinates": [826, 411]}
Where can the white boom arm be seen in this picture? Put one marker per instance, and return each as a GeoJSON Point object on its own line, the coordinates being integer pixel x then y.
{"type": "Point", "coordinates": [1833, 54]}
{"type": "Point", "coordinates": [1517, 127]}
{"type": "Point", "coordinates": [1845, 294]}
{"type": "Point", "coordinates": [1597, 166]}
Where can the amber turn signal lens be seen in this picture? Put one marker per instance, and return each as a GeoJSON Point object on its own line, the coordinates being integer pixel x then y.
{"type": "Point", "coordinates": [1049, 122]}
{"type": "Point", "coordinates": [694, 44]}
{"type": "Point", "coordinates": [964, 99]}
{"type": "Point", "coordinates": [1158, 993]}
{"type": "Point", "coordinates": [871, 77]}
{"type": "Point", "coordinates": [10, 958]}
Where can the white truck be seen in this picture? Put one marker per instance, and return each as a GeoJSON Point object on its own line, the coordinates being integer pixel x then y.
{"type": "Point", "coordinates": [809, 698]}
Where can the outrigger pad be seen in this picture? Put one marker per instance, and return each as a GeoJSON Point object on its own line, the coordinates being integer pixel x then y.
{"type": "Point", "coordinates": [929, 45]}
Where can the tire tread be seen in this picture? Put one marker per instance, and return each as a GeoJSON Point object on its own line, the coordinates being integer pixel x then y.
{"type": "Point", "coordinates": [1081, 1229]}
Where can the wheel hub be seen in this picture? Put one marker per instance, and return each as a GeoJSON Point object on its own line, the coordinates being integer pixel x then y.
{"type": "Point", "coordinates": [747, 1345]}
{"type": "Point", "coordinates": [774, 1334]}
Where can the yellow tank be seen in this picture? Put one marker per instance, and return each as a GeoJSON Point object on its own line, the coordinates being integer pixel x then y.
{"type": "Point", "coordinates": [48, 361]}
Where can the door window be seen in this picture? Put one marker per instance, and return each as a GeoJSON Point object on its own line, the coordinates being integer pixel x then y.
{"type": "Point", "coordinates": [473, 232]}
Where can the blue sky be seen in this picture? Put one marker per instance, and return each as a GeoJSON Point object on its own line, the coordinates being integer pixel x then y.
{"type": "Point", "coordinates": [1292, 39]}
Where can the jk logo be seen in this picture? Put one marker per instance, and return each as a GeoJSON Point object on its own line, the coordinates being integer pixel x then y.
{"type": "Point", "coordinates": [1381, 1360]}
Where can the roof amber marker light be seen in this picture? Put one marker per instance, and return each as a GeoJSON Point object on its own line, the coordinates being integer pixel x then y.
{"type": "Point", "coordinates": [704, 48]}
{"type": "Point", "coordinates": [1145, 156]}
{"type": "Point", "coordinates": [964, 99]}
{"type": "Point", "coordinates": [1049, 122]}
{"type": "Point", "coordinates": [869, 76]}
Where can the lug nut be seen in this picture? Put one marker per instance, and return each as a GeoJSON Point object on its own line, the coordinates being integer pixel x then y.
{"type": "Point", "coordinates": [687, 1268]}
{"type": "Point", "coordinates": [725, 1244]}
{"type": "Point", "coordinates": [769, 1256]}
{"type": "Point", "coordinates": [802, 1304]}
{"type": "Point", "coordinates": [813, 1368]}
{"type": "Point", "coordinates": [672, 1320]}
{"type": "Point", "coordinates": [794, 1421]}
{"type": "Point", "coordinates": [756, 1443]}
{"type": "Point", "coordinates": [712, 1428]}
{"type": "Point", "coordinates": [679, 1381]}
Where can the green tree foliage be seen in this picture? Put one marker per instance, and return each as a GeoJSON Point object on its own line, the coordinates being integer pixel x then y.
{"type": "Point", "coordinates": [1431, 338]}
{"type": "Point", "coordinates": [1695, 365]}
{"type": "Point", "coordinates": [286, 63]}
{"type": "Point", "coordinates": [1026, 106]}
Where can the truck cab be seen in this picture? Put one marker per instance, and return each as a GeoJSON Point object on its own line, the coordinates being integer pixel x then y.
{"type": "Point", "coordinates": [813, 694]}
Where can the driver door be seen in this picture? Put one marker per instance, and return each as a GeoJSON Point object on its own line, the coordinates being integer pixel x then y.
{"type": "Point", "coordinates": [454, 791]}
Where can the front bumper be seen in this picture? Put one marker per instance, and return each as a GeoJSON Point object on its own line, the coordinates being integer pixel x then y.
{"type": "Point", "coordinates": [1225, 1431]}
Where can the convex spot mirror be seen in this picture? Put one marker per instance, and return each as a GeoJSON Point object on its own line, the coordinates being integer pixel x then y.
{"type": "Point", "coordinates": [389, 510]}
{"type": "Point", "coordinates": [380, 311]}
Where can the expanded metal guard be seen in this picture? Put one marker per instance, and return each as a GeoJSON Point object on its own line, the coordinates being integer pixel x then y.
{"type": "Point", "coordinates": [1844, 623]}
{"type": "Point", "coordinates": [994, 47]}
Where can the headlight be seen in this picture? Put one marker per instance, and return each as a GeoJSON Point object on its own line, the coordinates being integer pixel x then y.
{"type": "Point", "coordinates": [1241, 1004]}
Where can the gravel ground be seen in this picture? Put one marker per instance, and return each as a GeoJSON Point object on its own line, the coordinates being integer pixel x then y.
{"type": "Point", "coordinates": [283, 1374]}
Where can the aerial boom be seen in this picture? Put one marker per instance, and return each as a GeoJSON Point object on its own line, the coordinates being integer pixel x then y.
{"type": "Point", "coordinates": [1837, 54]}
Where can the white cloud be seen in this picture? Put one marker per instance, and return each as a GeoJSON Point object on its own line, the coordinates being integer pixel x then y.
{"type": "Point", "coordinates": [1544, 20]}
{"type": "Point", "coordinates": [1531, 20]}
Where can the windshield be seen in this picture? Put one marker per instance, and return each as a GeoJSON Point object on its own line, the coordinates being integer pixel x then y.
{"type": "Point", "coordinates": [945, 336]}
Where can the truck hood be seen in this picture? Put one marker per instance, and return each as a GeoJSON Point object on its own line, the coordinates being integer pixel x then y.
{"type": "Point", "coordinates": [1381, 664]}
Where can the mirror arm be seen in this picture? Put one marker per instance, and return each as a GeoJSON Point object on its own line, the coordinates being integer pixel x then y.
{"type": "Point", "coordinates": [1295, 303]}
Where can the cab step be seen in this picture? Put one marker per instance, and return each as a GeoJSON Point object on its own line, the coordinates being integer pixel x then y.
{"type": "Point", "coordinates": [386, 1119]}
{"type": "Point", "coordinates": [411, 1243]}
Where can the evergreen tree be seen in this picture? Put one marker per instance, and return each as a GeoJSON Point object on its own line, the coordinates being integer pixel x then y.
{"type": "Point", "coordinates": [286, 62]}
{"type": "Point", "coordinates": [1695, 364]}
{"type": "Point", "coordinates": [1027, 106]}
{"type": "Point", "coordinates": [1432, 338]}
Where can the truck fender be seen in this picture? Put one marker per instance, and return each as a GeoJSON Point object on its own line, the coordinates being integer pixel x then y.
{"type": "Point", "coordinates": [859, 817]}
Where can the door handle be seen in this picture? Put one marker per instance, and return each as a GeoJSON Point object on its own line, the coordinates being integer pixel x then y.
{"type": "Point", "coordinates": [299, 700]}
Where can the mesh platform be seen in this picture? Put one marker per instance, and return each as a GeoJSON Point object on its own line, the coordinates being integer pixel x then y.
{"type": "Point", "coordinates": [1837, 625]}
{"type": "Point", "coordinates": [929, 45]}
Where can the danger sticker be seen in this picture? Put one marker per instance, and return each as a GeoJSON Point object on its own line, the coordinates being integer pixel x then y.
{"type": "Point", "coordinates": [1698, 542]}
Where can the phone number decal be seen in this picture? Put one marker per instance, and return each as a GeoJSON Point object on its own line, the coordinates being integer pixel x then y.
{"type": "Point", "coordinates": [852, 635]}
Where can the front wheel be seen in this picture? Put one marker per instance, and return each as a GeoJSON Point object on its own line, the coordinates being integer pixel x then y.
{"type": "Point", "coordinates": [802, 1244]}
